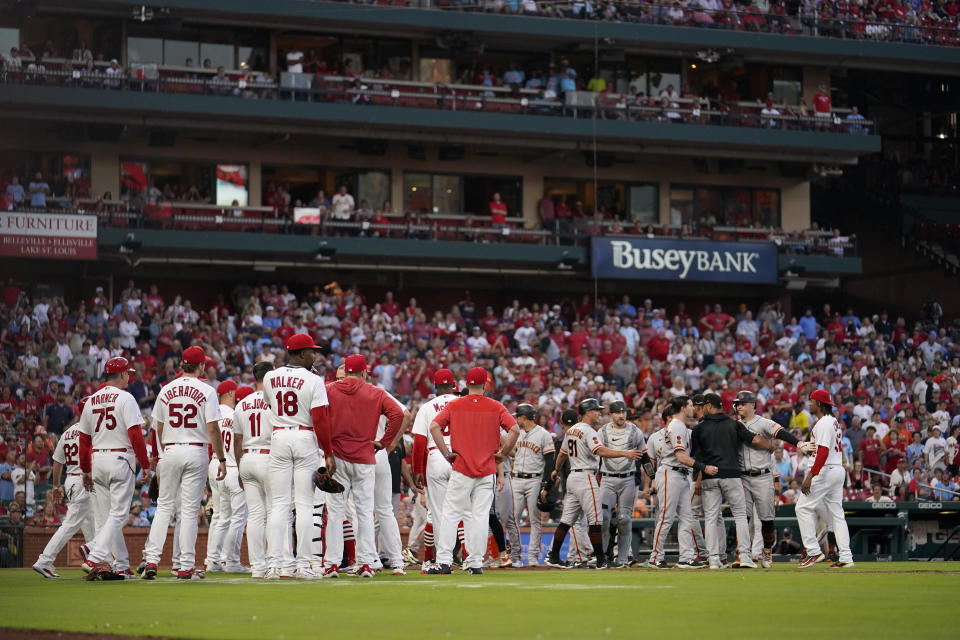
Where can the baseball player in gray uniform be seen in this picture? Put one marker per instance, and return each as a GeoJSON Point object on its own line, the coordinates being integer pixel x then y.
{"type": "Point", "coordinates": [618, 486]}
{"type": "Point", "coordinates": [673, 487]}
{"type": "Point", "coordinates": [503, 508]}
{"type": "Point", "coordinates": [582, 446]}
{"type": "Point", "coordinates": [580, 551]}
{"type": "Point", "coordinates": [758, 468]}
{"type": "Point", "coordinates": [532, 464]}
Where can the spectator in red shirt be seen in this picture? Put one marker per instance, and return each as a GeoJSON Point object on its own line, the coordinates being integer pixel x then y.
{"type": "Point", "coordinates": [870, 449]}
{"type": "Point", "coordinates": [607, 356]}
{"type": "Point", "coordinates": [658, 347]}
{"type": "Point", "coordinates": [390, 306]}
{"type": "Point", "coordinates": [474, 423]}
{"type": "Point", "coordinates": [896, 451]}
{"type": "Point", "coordinates": [716, 321]}
{"type": "Point", "coordinates": [498, 211]}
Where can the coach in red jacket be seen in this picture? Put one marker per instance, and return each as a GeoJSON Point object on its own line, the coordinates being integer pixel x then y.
{"type": "Point", "coordinates": [475, 422]}
{"type": "Point", "coordinates": [354, 412]}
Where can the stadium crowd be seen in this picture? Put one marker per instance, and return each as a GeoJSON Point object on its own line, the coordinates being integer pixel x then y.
{"type": "Point", "coordinates": [895, 381]}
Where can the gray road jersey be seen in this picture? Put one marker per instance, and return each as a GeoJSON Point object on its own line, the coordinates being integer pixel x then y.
{"type": "Point", "coordinates": [580, 445]}
{"type": "Point", "coordinates": [612, 437]}
{"type": "Point", "coordinates": [530, 449]}
{"type": "Point", "coordinates": [752, 458]}
{"type": "Point", "coordinates": [676, 436]}
{"type": "Point", "coordinates": [656, 445]}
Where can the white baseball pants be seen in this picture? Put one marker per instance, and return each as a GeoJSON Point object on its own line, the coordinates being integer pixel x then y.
{"type": "Point", "coordinates": [294, 457]}
{"type": "Point", "coordinates": [230, 509]}
{"type": "Point", "coordinates": [255, 473]}
{"type": "Point", "coordinates": [505, 511]}
{"type": "Point", "coordinates": [113, 479]}
{"type": "Point", "coordinates": [79, 516]}
{"type": "Point", "coordinates": [467, 499]}
{"type": "Point", "coordinates": [438, 477]}
{"type": "Point", "coordinates": [183, 472]}
{"type": "Point", "coordinates": [358, 480]}
{"type": "Point", "coordinates": [525, 494]}
{"type": "Point", "coordinates": [826, 491]}
{"type": "Point", "coordinates": [391, 546]}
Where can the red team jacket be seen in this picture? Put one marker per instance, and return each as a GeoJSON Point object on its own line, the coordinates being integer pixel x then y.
{"type": "Point", "coordinates": [354, 412]}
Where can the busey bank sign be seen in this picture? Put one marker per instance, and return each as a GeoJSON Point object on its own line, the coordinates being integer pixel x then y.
{"type": "Point", "coordinates": [684, 260]}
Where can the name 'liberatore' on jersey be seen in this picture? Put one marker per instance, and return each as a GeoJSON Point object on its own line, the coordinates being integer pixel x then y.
{"type": "Point", "coordinates": [184, 406]}
{"type": "Point", "coordinates": [291, 392]}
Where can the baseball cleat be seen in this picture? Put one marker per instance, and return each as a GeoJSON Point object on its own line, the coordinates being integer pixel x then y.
{"type": "Point", "coordinates": [365, 571]}
{"type": "Point", "coordinates": [257, 574]}
{"type": "Point", "coordinates": [236, 568]}
{"type": "Point", "coordinates": [186, 574]}
{"type": "Point", "coordinates": [439, 570]}
{"type": "Point", "coordinates": [557, 563]}
{"type": "Point", "coordinates": [140, 568]}
{"type": "Point", "coordinates": [305, 574]}
{"type": "Point", "coordinates": [744, 564]}
{"type": "Point", "coordinates": [215, 567]}
{"type": "Point", "coordinates": [398, 571]}
{"type": "Point", "coordinates": [45, 570]}
{"type": "Point", "coordinates": [767, 560]}
{"type": "Point", "coordinates": [271, 574]}
{"type": "Point", "coordinates": [842, 565]}
{"type": "Point", "coordinates": [808, 561]}
{"type": "Point", "coordinates": [475, 571]}
{"type": "Point", "coordinates": [149, 571]}
{"type": "Point", "coordinates": [127, 574]}
{"type": "Point", "coordinates": [715, 565]}
{"type": "Point", "coordinates": [691, 564]}
{"type": "Point", "coordinates": [657, 565]}
{"type": "Point", "coordinates": [333, 571]}
{"type": "Point", "coordinates": [86, 566]}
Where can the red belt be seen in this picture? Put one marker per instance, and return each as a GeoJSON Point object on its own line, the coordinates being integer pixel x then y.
{"type": "Point", "coordinates": [112, 450]}
{"type": "Point", "coordinates": [292, 428]}
{"type": "Point", "coordinates": [185, 444]}
{"type": "Point", "coordinates": [256, 450]}
{"type": "Point", "coordinates": [76, 473]}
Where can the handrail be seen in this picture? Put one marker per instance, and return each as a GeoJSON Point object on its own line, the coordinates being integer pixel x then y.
{"type": "Point", "coordinates": [872, 472]}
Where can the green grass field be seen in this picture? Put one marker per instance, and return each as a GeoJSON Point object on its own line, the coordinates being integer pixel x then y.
{"type": "Point", "coordinates": [874, 600]}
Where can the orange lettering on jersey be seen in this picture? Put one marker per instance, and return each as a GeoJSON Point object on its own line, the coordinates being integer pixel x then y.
{"type": "Point", "coordinates": [529, 445]}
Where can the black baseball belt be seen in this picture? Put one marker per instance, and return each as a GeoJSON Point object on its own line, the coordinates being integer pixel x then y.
{"type": "Point", "coordinates": [753, 473]}
{"type": "Point", "coordinates": [616, 475]}
{"type": "Point", "coordinates": [525, 475]}
{"type": "Point", "coordinates": [684, 470]}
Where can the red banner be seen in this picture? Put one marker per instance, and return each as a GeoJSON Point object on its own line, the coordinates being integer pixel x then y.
{"type": "Point", "coordinates": [48, 235]}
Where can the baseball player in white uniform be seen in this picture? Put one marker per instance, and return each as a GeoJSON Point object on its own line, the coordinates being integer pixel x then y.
{"type": "Point", "coordinates": [823, 487]}
{"type": "Point", "coordinates": [673, 487]}
{"type": "Point", "coordinates": [618, 484]}
{"type": "Point", "coordinates": [582, 447]}
{"type": "Point", "coordinates": [758, 471]}
{"type": "Point", "coordinates": [431, 471]}
{"type": "Point", "coordinates": [297, 400]}
{"type": "Point", "coordinates": [388, 529]}
{"type": "Point", "coordinates": [230, 505]}
{"type": "Point", "coordinates": [251, 422]}
{"type": "Point", "coordinates": [66, 460]}
{"type": "Point", "coordinates": [532, 463]}
{"type": "Point", "coordinates": [187, 417]}
{"type": "Point", "coordinates": [111, 442]}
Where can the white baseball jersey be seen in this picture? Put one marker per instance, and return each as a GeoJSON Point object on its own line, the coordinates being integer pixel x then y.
{"type": "Point", "coordinates": [826, 433]}
{"type": "Point", "coordinates": [106, 417]}
{"type": "Point", "coordinates": [758, 459]}
{"type": "Point", "coordinates": [657, 445]}
{"type": "Point", "coordinates": [613, 437]}
{"type": "Point", "coordinates": [382, 425]}
{"type": "Point", "coordinates": [531, 447]}
{"type": "Point", "coordinates": [226, 434]}
{"type": "Point", "coordinates": [291, 393]}
{"type": "Point", "coordinates": [251, 419]}
{"type": "Point", "coordinates": [67, 452]}
{"type": "Point", "coordinates": [676, 438]}
{"type": "Point", "coordinates": [184, 407]}
{"type": "Point", "coordinates": [426, 414]}
{"type": "Point", "coordinates": [581, 444]}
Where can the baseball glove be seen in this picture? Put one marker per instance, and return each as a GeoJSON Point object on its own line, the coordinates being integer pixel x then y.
{"type": "Point", "coordinates": [807, 448]}
{"type": "Point", "coordinates": [546, 505]}
{"type": "Point", "coordinates": [325, 481]}
{"type": "Point", "coordinates": [154, 490]}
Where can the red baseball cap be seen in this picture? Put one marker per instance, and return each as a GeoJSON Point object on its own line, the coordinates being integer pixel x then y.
{"type": "Point", "coordinates": [477, 375]}
{"type": "Point", "coordinates": [226, 387]}
{"type": "Point", "coordinates": [117, 365]}
{"type": "Point", "coordinates": [300, 341]}
{"type": "Point", "coordinates": [822, 395]}
{"type": "Point", "coordinates": [242, 392]}
{"type": "Point", "coordinates": [355, 363]}
{"type": "Point", "coordinates": [194, 355]}
{"type": "Point", "coordinates": [443, 377]}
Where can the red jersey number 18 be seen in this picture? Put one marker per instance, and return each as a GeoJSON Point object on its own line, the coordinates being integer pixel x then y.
{"type": "Point", "coordinates": [287, 404]}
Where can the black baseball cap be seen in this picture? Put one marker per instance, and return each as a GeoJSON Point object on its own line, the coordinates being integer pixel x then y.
{"type": "Point", "coordinates": [698, 400]}
{"type": "Point", "coordinates": [569, 417]}
{"type": "Point", "coordinates": [712, 399]}
{"type": "Point", "coordinates": [617, 407]}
